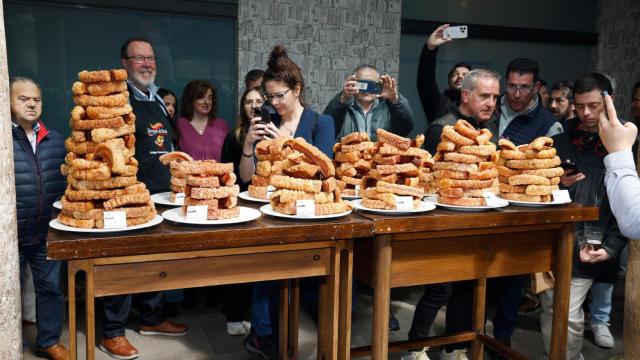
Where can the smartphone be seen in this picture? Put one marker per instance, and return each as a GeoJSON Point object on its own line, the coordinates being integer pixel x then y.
{"type": "Point", "coordinates": [370, 86]}
{"type": "Point", "coordinates": [256, 111]}
{"type": "Point", "coordinates": [265, 115]}
{"type": "Point", "coordinates": [456, 32]}
{"type": "Point", "coordinates": [568, 165]}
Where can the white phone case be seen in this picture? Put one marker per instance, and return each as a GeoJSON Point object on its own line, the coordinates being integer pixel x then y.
{"type": "Point", "coordinates": [456, 32]}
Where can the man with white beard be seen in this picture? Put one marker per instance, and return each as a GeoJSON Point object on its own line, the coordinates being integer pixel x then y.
{"type": "Point", "coordinates": [153, 138]}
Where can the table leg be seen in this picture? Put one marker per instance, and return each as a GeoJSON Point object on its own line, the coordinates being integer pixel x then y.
{"type": "Point", "coordinates": [562, 272]}
{"type": "Point", "coordinates": [90, 313]}
{"type": "Point", "coordinates": [329, 292]}
{"type": "Point", "coordinates": [381, 300]}
{"type": "Point", "coordinates": [73, 335]}
{"type": "Point", "coordinates": [479, 298]}
{"type": "Point", "coordinates": [284, 319]}
{"type": "Point", "coordinates": [344, 312]}
{"type": "Point", "coordinates": [294, 319]}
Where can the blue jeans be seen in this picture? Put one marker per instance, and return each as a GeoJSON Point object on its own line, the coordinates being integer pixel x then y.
{"type": "Point", "coordinates": [49, 298]}
{"type": "Point", "coordinates": [600, 306]}
{"type": "Point", "coordinates": [117, 308]}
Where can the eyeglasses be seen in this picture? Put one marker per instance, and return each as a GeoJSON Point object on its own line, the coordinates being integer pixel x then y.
{"type": "Point", "coordinates": [139, 59]}
{"type": "Point", "coordinates": [277, 97]}
{"type": "Point", "coordinates": [524, 89]}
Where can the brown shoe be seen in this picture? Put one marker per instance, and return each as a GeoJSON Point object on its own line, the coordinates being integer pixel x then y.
{"type": "Point", "coordinates": [56, 352]}
{"type": "Point", "coordinates": [119, 348]}
{"type": "Point", "coordinates": [165, 328]}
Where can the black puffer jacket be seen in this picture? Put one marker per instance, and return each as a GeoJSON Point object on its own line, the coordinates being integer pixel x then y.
{"type": "Point", "coordinates": [38, 181]}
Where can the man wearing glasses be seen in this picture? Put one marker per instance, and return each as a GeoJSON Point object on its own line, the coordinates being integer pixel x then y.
{"type": "Point", "coordinates": [522, 116]}
{"type": "Point", "coordinates": [153, 138]}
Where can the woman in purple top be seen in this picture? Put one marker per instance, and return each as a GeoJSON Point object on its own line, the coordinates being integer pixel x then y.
{"type": "Point", "coordinates": [201, 133]}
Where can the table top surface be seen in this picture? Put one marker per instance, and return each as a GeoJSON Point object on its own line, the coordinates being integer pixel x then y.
{"type": "Point", "coordinates": [268, 230]}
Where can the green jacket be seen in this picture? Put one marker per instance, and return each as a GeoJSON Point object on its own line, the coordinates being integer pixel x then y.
{"type": "Point", "coordinates": [396, 118]}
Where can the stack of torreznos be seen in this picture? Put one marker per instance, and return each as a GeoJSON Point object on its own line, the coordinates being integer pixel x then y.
{"type": "Point", "coordinates": [308, 174]}
{"type": "Point", "coordinates": [206, 182]}
{"type": "Point", "coordinates": [396, 170]}
{"type": "Point", "coordinates": [528, 172]}
{"type": "Point", "coordinates": [100, 165]}
{"type": "Point", "coordinates": [463, 169]}
{"type": "Point", "coordinates": [352, 161]}
{"type": "Point", "coordinates": [270, 159]}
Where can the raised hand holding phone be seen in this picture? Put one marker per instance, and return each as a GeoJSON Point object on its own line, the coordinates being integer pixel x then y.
{"type": "Point", "coordinates": [456, 32]}
{"type": "Point", "coordinates": [615, 136]}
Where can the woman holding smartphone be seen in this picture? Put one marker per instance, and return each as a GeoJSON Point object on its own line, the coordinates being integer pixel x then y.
{"type": "Point", "coordinates": [283, 88]}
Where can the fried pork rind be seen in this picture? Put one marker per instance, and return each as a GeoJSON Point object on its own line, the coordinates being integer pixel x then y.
{"type": "Point", "coordinates": [76, 205]}
{"type": "Point", "coordinates": [100, 173]}
{"type": "Point", "coordinates": [132, 221]}
{"type": "Point", "coordinates": [397, 141]}
{"type": "Point", "coordinates": [111, 183]}
{"type": "Point", "coordinates": [85, 125]}
{"type": "Point", "coordinates": [314, 155]}
{"type": "Point", "coordinates": [212, 193]}
{"type": "Point", "coordinates": [104, 112]}
{"type": "Point", "coordinates": [383, 186]}
{"type": "Point", "coordinates": [203, 181]}
{"type": "Point", "coordinates": [355, 137]}
{"type": "Point", "coordinates": [129, 199]}
{"type": "Point", "coordinates": [105, 100]}
{"type": "Point", "coordinates": [80, 148]}
{"type": "Point", "coordinates": [114, 153]}
{"type": "Point", "coordinates": [528, 179]}
{"type": "Point", "coordinates": [101, 135]}
{"type": "Point", "coordinates": [178, 156]}
{"type": "Point", "coordinates": [203, 167]}
{"type": "Point", "coordinates": [461, 201]}
{"type": "Point", "coordinates": [106, 88]}
{"type": "Point", "coordinates": [301, 170]}
{"type": "Point", "coordinates": [102, 75]}
{"type": "Point", "coordinates": [70, 221]}
{"type": "Point", "coordinates": [287, 182]}
{"type": "Point", "coordinates": [520, 197]}
{"type": "Point", "coordinates": [533, 164]}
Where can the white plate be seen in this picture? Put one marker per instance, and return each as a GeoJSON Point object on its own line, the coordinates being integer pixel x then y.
{"type": "Point", "coordinates": [424, 206]}
{"type": "Point", "coordinates": [246, 214]}
{"type": "Point", "coordinates": [266, 209]}
{"type": "Point", "coordinates": [536, 204]}
{"type": "Point", "coordinates": [245, 196]}
{"type": "Point", "coordinates": [58, 205]}
{"type": "Point", "coordinates": [503, 203]}
{"type": "Point", "coordinates": [165, 199]}
{"type": "Point", "coordinates": [60, 226]}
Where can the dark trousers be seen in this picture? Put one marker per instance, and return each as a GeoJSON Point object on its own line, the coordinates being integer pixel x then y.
{"type": "Point", "coordinates": [435, 297]}
{"type": "Point", "coordinates": [237, 300]}
{"type": "Point", "coordinates": [507, 293]}
{"type": "Point", "coordinates": [117, 308]}
{"type": "Point", "coordinates": [49, 298]}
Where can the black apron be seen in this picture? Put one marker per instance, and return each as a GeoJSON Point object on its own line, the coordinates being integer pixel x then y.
{"type": "Point", "coordinates": [153, 139]}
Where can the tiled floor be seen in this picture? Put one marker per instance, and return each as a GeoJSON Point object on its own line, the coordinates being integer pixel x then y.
{"type": "Point", "coordinates": [208, 339]}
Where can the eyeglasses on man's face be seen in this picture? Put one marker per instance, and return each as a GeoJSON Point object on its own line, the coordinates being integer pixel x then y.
{"type": "Point", "coordinates": [277, 97]}
{"type": "Point", "coordinates": [139, 59]}
{"type": "Point", "coordinates": [524, 89]}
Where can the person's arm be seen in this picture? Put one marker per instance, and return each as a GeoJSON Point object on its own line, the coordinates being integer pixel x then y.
{"type": "Point", "coordinates": [401, 116]}
{"type": "Point", "coordinates": [338, 111]}
{"type": "Point", "coordinates": [324, 137]}
{"type": "Point", "coordinates": [623, 189]}
{"type": "Point", "coordinates": [433, 101]}
{"type": "Point", "coordinates": [231, 152]}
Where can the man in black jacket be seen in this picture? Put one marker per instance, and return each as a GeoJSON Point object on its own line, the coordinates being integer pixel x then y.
{"type": "Point", "coordinates": [434, 103]}
{"type": "Point", "coordinates": [581, 145]}
{"type": "Point", "coordinates": [38, 153]}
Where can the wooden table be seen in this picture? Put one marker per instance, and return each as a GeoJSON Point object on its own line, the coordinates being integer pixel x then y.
{"type": "Point", "coordinates": [443, 246]}
{"type": "Point", "coordinates": [175, 256]}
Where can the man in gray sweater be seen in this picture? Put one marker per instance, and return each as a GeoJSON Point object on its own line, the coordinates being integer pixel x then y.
{"type": "Point", "coordinates": [354, 110]}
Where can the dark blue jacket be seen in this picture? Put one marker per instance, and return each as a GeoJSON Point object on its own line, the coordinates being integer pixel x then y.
{"type": "Point", "coordinates": [38, 181]}
{"type": "Point", "coordinates": [523, 129]}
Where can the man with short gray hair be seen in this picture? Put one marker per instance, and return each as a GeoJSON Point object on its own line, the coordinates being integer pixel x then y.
{"type": "Point", "coordinates": [354, 110]}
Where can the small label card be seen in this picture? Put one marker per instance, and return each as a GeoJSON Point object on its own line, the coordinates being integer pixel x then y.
{"type": "Point", "coordinates": [561, 196]}
{"type": "Point", "coordinates": [357, 190]}
{"type": "Point", "coordinates": [491, 199]}
{"type": "Point", "coordinates": [197, 212]}
{"type": "Point", "coordinates": [115, 219]}
{"type": "Point", "coordinates": [179, 198]}
{"type": "Point", "coordinates": [404, 203]}
{"type": "Point", "coordinates": [270, 190]}
{"type": "Point", "coordinates": [305, 208]}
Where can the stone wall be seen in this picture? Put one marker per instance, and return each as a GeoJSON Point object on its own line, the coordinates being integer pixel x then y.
{"type": "Point", "coordinates": [619, 47]}
{"type": "Point", "coordinates": [326, 38]}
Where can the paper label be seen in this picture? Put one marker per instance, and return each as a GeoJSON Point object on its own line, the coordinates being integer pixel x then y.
{"type": "Point", "coordinates": [115, 219]}
{"type": "Point", "coordinates": [491, 199]}
{"type": "Point", "coordinates": [305, 208]}
{"type": "Point", "coordinates": [197, 212]}
{"type": "Point", "coordinates": [179, 198]}
{"type": "Point", "coordinates": [561, 196]}
{"type": "Point", "coordinates": [404, 203]}
{"type": "Point", "coordinates": [270, 190]}
{"type": "Point", "coordinates": [357, 190]}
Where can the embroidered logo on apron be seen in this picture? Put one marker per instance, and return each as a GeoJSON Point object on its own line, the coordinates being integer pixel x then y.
{"type": "Point", "coordinates": [158, 131]}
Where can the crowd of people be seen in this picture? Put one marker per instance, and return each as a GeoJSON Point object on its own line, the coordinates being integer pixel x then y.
{"type": "Point", "coordinates": [579, 115]}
